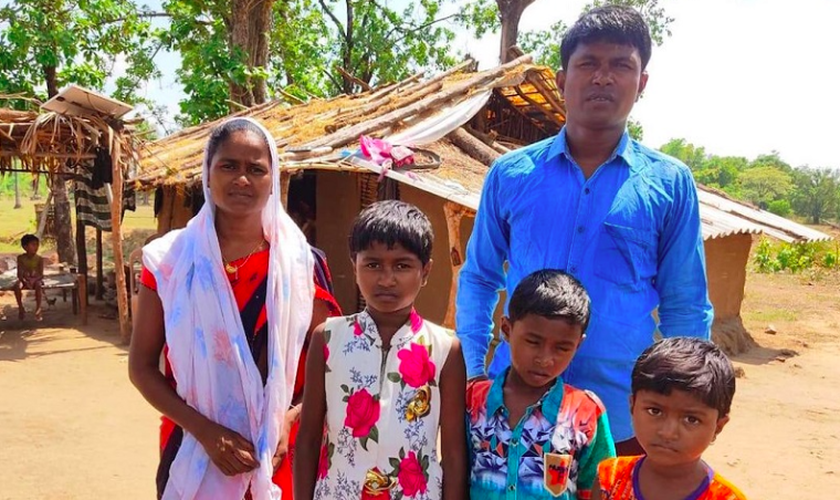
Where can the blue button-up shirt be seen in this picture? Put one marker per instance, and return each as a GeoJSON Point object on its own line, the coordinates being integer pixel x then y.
{"type": "Point", "coordinates": [630, 233]}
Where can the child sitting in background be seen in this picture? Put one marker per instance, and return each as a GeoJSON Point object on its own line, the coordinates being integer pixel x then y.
{"type": "Point", "coordinates": [531, 435]}
{"type": "Point", "coordinates": [682, 392]}
{"type": "Point", "coordinates": [30, 274]}
{"type": "Point", "coordinates": [381, 383]}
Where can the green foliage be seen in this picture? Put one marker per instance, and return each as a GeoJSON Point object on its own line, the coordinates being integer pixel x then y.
{"type": "Point", "coordinates": [635, 129]}
{"type": "Point", "coordinates": [545, 44]}
{"type": "Point", "coordinates": [694, 157]}
{"type": "Point", "coordinates": [763, 185]}
{"type": "Point", "coordinates": [817, 193]}
{"type": "Point", "coordinates": [46, 44]}
{"type": "Point", "coordinates": [795, 257]}
{"type": "Point", "coordinates": [779, 207]}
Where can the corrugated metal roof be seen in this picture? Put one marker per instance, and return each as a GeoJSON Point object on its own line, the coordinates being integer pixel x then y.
{"type": "Point", "coordinates": [714, 206]}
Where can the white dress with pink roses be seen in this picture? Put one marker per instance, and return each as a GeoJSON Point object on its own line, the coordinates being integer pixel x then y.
{"type": "Point", "coordinates": [383, 411]}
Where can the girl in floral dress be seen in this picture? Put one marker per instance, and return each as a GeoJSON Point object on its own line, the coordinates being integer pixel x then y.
{"type": "Point", "coordinates": [380, 384]}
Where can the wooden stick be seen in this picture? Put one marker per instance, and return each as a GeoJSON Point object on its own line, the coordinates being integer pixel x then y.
{"type": "Point", "coordinates": [82, 268]}
{"type": "Point", "coordinates": [285, 181]}
{"type": "Point", "coordinates": [346, 74]}
{"type": "Point", "coordinates": [473, 146]}
{"type": "Point", "coordinates": [99, 273]}
{"type": "Point", "coordinates": [116, 238]}
{"type": "Point", "coordinates": [42, 222]}
{"type": "Point", "coordinates": [454, 213]}
{"type": "Point", "coordinates": [551, 116]}
{"type": "Point", "coordinates": [291, 98]}
{"type": "Point", "coordinates": [350, 134]}
{"type": "Point", "coordinates": [60, 156]}
{"type": "Point", "coordinates": [440, 77]}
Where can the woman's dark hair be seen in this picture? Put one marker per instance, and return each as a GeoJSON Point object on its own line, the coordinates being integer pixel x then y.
{"type": "Point", "coordinates": [27, 239]}
{"type": "Point", "coordinates": [551, 294]}
{"type": "Point", "coordinates": [612, 24]}
{"type": "Point", "coordinates": [223, 132]}
{"type": "Point", "coordinates": [390, 222]}
{"type": "Point", "coordinates": [688, 364]}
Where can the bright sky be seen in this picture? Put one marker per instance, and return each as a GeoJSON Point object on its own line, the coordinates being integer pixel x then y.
{"type": "Point", "coordinates": [740, 77]}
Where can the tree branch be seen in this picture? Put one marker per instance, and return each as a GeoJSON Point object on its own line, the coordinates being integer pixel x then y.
{"type": "Point", "coordinates": [335, 20]}
{"type": "Point", "coordinates": [427, 25]}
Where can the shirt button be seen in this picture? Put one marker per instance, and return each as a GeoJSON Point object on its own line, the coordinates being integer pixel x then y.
{"type": "Point", "coordinates": [581, 229]}
{"type": "Point", "coordinates": [573, 269]}
{"type": "Point", "coordinates": [586, 191]}
{"type": "Point", "coordinates": [514, 442]}
{"type": "Point", "coordinates": [512, 487]}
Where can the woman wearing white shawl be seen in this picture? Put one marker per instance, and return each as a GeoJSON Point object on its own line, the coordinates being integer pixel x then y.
{"type": "Point", "coordinates": [231, 409]}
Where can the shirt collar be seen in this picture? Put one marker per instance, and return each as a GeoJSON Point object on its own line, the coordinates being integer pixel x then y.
{"type": "Point", "coordinates": [624, 150]}
{"type": "Point", "coordinates": [549, 402]}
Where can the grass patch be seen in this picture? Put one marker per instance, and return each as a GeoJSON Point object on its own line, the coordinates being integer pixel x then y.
{"type": "Point", "coordinates": [769, 316]}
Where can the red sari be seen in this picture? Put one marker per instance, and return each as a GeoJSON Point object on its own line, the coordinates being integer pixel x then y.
{"type": "Point", "coordinates": [249, 288]}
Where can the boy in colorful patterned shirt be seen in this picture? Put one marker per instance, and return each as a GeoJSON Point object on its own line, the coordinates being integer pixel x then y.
{"type": "Point", "coordinates": [682, 392]}
{"type": "Point", "coordinates": [531, 435]}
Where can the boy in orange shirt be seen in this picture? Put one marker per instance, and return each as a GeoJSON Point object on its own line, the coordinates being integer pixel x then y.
{"type": "Point", "coordinates": [682, 392]}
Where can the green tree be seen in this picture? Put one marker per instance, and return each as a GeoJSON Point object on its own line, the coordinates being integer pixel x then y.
{"type": "Point", "coordinates": [483, 16]}
{"type": "Point", "coordinates": [720, 171]}
{"type": "Point", "coordinates": [816, 194]}
{"type": "Point", "coordinates": [309, 44]}
{"type": "Point", "coordinates": [763, 185]}
{"type": "Point", "coordinates": [46, 44]}
{"type": "Point", "coordinates": [691, 155]}
{"type": "Point", "coordinates": [771, 160]}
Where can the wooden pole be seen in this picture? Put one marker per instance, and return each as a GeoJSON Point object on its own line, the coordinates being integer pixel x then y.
{"type": "Point", "coordinates": [454, 213]}
{"type": "Point", "coordinates": [116, 235]}
{"type": "Point", "coordinates": [42, 223]}
{"type": "Point", "coordinates": [82, 269]}
{"type": "Point", "coordinates": [100, 278]}
{"type": "Point", "coordinates": [473, 146]}
{"type": "Point", "coordinates": [285, 181]}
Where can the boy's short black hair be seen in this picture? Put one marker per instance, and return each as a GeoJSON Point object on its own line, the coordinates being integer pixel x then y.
{"type": "Point", "coordinates": [689, 364]}
{"type": "Point", "coordinates": [551, 294]}
{"type": "Point", "coordinates": [612, 24]}
{"type": "Point", "coordinates": [27, 239]}
{"type": "Point", "coordinates": [390, 222]}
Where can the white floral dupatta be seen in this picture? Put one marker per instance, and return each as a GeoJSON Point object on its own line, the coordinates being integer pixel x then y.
{"type": "Point", "coordinates": [211, 361]}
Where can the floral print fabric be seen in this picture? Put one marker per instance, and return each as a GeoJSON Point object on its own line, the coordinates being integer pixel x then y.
{"type": "Point", "coordinates": [380, 440]}
{"type": "Point", "coordinates": [566, 432]}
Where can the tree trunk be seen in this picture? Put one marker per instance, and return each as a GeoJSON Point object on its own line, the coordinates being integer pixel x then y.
{"type": "Point", "coordinates": [510, 12]}
{"type": "Point", "coordinates": [17, 192]}
{"type": "Point", "coordinates": [62, 224]}
{"type": "Point", "coordinates": [249, 31]}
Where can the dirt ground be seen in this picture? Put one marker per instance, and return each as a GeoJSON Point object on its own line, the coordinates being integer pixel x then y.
{"type": "Point", "coordinates": [73, 427]}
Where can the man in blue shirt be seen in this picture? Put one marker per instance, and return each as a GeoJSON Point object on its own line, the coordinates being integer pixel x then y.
{"type": "Point", "coordinates": [593, 202]}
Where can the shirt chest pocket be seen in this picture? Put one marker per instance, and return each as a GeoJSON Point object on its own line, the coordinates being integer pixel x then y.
{"type": "Point", "coordinates": [625, 256]}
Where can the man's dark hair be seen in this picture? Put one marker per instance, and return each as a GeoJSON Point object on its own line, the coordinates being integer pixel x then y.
{"type": "Point", "coordinates": [27, 239]}
{"type": "Point", "coordinates": [223, 132]}
{"type": "Point", "coordinates": [612, 24]}
{"type": "Point", "coordinates": [390, 222]}
{"type": "Point", "coordinates": [551, 294]}
{"type": "Point", "coordinates": [688, 364]}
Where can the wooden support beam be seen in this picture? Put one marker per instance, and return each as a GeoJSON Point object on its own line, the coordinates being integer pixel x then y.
{"type": "Point", "coordinates": [100, 275]}
{"type": "Point", "coordinates": [454, 213]}
{"type": "Point", "coordinates": [42, 222]}
{"type": "Point", "coordinates": [473, 146]}
{"type": "Point", "coordinates": [285, 181]}
{"type": "Point", "coordinates": [116, 240]}
{"type": "Point", "coordinates": [82, 267]}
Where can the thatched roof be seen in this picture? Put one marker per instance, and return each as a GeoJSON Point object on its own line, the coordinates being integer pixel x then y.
{"type": "Point", "coordinates": [315, 134]}
{"type": "Point", "coordinates": [44, 142]}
